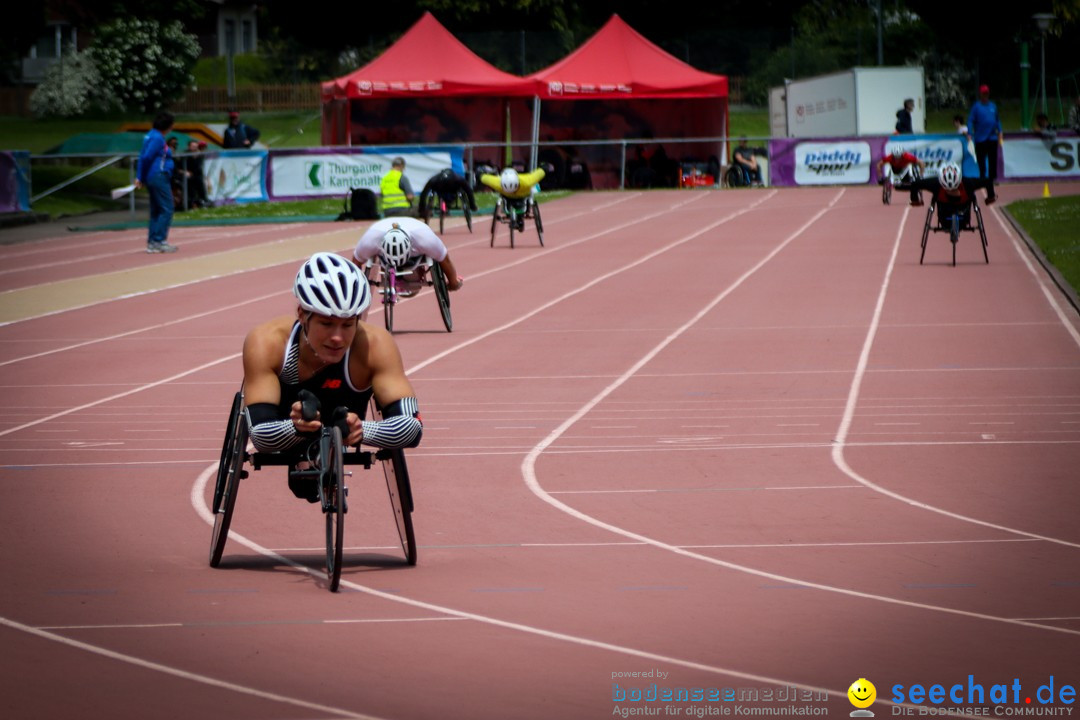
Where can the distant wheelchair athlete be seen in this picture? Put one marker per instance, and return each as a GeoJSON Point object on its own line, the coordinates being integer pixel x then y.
{"type": "Point", "coordinates": [324, 353]}
{"type": "Point", "coordinates": [411, 256]}
{"type": "Point", "coordinates": [953, 200]}
{"type": "Point", "coordinates": [898, 169]}
{"type": "Point", "coordinates": [443, 191]}
{"type": "Point", "coordinates": [516, 203]}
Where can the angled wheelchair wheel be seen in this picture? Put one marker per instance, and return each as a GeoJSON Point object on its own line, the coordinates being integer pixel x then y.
{"type": "Point", "coordinates": [886, 192]}
{"type": "Point", "coordinates": [513, 215]}
{"type": "Point", "coordinates": [495, 220]}
{"type": "Point", "coordinates": [442, 294]}
{"type": "Point", "coordinates": [538, 221]}
{"type": "Point", "coordinates": [332, 495]}
{"type": "Point", "coordinates": [982, 232]}
{"type": "Point", "coordinates": [230, 473]}
{"type": "Point", "coordinates": [465, 209]}
{"type": "Point", "coordinates": [926, 231]}
{"type": "Point", "coordinates": [401, 501]}
{"type": "Point", "coordinates": [954, 235]}
{"type": "Point", "coordinates": [442, 214]}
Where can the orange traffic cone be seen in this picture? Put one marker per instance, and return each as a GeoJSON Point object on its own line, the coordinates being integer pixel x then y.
{"type": "Point", "coordinates": [1046, 190]}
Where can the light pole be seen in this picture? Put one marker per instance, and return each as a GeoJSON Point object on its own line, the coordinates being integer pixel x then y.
{"type": "Point", "coordinates": [1043, 20]}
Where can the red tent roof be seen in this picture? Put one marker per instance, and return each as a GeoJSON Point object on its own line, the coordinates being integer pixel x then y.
{"type": "Point", "coordinates": [427, 61]}
{"type": "Point", "coordinates": [618, 62]}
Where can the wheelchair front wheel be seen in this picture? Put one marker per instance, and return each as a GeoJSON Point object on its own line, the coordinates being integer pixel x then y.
{"type": "Point", "coordinates": [230, 473]}
{"type": "Point", "coordinates": [332, 495]}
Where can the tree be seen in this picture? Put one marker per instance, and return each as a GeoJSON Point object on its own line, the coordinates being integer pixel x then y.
{"type": "Point", "coordinates": [72, 86]}
{"type": "Point", "coordinates": [142, 64]}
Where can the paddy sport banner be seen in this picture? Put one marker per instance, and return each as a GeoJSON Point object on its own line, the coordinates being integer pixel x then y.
{"type": "Point", "coordinates": [298, 174]}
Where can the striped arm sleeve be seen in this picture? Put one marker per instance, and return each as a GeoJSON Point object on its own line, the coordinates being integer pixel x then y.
{"type": "Point", "coordinates": [271, 435]}
{"type": "Point", "coordinates": [400, 428]}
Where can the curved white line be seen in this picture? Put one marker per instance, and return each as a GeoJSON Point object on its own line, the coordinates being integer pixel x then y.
{"type": "Point", "coordinates": [853, 399]}
{"type": "Point", "coordinates": [176, 672]}
{"type": "Point", "coordinates": [528, 469]}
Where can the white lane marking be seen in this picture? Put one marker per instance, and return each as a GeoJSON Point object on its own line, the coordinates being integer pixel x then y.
{"type": "Point", "coordinates": [852, 401]}
{"type": "Point", "coordinates": [528, 465]}
{"type": "Point", "coordinates": [182, 674]}
{"type": "Point", "coordinates": [117, 396]}
{"type": "Point", "coordinates": [241, 623]}
{"type": "Point", "coordinates": [198, 491]}
{"type": "Point", "coordinates": [137, 331]}
{"type": "Point", "coordinates": [1039, 279]}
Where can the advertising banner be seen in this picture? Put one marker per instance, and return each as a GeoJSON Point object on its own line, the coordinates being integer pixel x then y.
{"type": "Point", "coordinates": [298, 174]}
{"type": "Point", "coordinates": [832, 163]}
{"type": "Point", "coordinates": [236, 176]}
{"type": "Point", "coordinates": [1039, 159]}
{"type": "Point", "coordinates": [934, 150]}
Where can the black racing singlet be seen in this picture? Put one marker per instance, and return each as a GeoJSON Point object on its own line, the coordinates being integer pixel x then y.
{"type": "Point", "coordinates": [331, 384]}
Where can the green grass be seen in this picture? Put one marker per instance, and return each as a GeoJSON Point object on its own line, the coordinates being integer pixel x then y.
{"type": "Point", "coordinates": [90, 194]}
{"type": "Point", "coordinates": [1051, 223]}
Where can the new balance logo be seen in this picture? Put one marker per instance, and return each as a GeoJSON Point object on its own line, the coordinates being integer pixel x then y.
{"type": "Point", "coordinates": [332, 384]}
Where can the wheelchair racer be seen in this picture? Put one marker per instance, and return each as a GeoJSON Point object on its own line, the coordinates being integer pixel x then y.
{"type": "Point", "coordinates": [900, 167]}
{"type": "Point", "coordinates": [515, 187]}
{"type": "Point", "coordinates": [326, 349]}
{"type": "Point", "coordinates": [952, 192]}
{"type": "Point", "coordinates": [445, 184]}
{"type": "Point", "coordinates": [401, 242]}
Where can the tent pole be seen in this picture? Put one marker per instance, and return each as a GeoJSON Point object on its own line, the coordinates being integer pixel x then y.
{"type": "Point", "coordinates": [622, 171]}
{"type": "Point", "coordinates": [534, 155]}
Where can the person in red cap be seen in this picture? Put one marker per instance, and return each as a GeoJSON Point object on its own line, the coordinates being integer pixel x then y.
{"type": "Point", "coordinates": [984, 126]}
{"type": "Point", "coordinates": [238, 135]}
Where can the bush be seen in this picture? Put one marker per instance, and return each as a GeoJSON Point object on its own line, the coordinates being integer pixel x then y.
{"type": "Point", "coordinates": [143, 65]}
{"type": "Point", "coordinates": [72, 87]}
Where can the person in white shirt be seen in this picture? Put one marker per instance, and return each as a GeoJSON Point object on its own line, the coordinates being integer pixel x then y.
{"type": "Point", "coordinates": [400, 242]}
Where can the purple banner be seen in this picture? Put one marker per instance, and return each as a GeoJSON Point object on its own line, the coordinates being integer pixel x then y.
{"type": "Point", "coordinates": [14, 181]}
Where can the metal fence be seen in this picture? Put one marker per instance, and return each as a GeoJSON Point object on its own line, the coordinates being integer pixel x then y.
{"type": "Point", "coordinates": [254, 98]}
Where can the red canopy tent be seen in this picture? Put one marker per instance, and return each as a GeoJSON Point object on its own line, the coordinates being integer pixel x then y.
{"type": "Point", "coordinates": [426, 88]}
{"type": "Point", "coordinates": [637, 91]}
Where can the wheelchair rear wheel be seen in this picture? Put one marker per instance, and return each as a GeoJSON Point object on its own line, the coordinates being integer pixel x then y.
{"type": "Point", "coordinates": [465, 208]}
{"type": "Point", "coordinates": [388, 291]}
{"type": "Point", "coordinates": [539, 223]}
{"type": "Point", "coordinates": [230, 473]}
{"type": "Point", "coordinates": [886, 191]}
{"type": "Point", "coordinates": [442, 294]}
{"type": "Point", "coordinates": [982, 232]}
{"type": "Point", "coordinates": [332, 494]}
{"type": "Point", "coordinates": [495, 220]}
{"type": "Point", "coordinates": [926, 231]}
{"type": "Point", "coordinates": [397, 484]}
{"type": "Point", "coordinates": [954, 235]}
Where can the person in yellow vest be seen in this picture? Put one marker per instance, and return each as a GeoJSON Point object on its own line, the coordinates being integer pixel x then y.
{"type": "Point", "coordinates": [515, 187]}
{"type": "Point", "coordinates": [397, 192]}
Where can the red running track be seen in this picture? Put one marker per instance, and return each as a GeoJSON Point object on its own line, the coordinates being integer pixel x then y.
{"type": "Point", "coordinates": [740, 439]}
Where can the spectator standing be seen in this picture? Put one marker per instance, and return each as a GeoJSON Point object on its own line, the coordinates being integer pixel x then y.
{"type": "Point", "coordinates": [1074, 115]}
{"type": "Point", "coordinates": [396, 190]}
{"type": "Point", "coordinates": [194, 182]}
{"type": "Point", "coordinates": [984, 124]}
{"type": "Point", "coordinates": [154, 172]}
{"type": "Point", "coordinates": [238, 135]}
{"type": "Point", "coordinates": [903, 118]}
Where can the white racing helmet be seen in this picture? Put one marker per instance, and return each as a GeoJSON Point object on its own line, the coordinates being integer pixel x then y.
{"type": "Point", "coordinates": [950, 176]}
{"type": "Point", "coordinates": [394, 248]}
{"type": "Point", "coordinates": [328, 284]}
{"type": "Point", "coordinates": [509, 180]}
{"type": "Point", "coordinates": [898, 151]}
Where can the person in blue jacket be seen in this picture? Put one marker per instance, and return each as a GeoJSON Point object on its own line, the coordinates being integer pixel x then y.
{"type": "Point", "coordinates": [984, 125]}
{"type": "Point", "coordinates": [155, 170]}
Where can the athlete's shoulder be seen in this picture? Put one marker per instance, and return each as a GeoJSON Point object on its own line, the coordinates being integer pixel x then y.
{"type": "Point", "coordinates": [267, 340]}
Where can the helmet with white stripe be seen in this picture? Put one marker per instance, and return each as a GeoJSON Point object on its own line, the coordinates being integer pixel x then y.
{"type": "Point", "coordinates": [950, 176]}
{"type": "Point", "coordinates": [395, 247]}
{"type": "Point", "coordinates": [329, 284]}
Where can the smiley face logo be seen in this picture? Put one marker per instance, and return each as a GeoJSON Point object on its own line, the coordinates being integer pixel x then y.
{"type": "Point", "coordinates": [862, 693]}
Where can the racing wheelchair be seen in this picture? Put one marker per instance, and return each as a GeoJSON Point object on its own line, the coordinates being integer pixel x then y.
{"type": "Point", "coordinates": [954, 224]}
{"type": "Point", "coordinates": [322, 462]}
{"type": "Point", "coordinates": [434, 203]}
{"type": "Point", "coordinates": [396, 283]}
{"type": "Point", "coordinates": [514, 212]}
{"type": "Point", "coordinates": [887, 184]}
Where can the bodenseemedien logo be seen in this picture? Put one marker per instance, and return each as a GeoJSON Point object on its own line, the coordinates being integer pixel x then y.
{"type": "Point", "coordinates": [862, 695]}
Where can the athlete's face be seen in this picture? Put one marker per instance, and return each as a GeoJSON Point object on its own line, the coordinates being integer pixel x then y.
{"type": "Point", "coordinates": [329, 336]}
